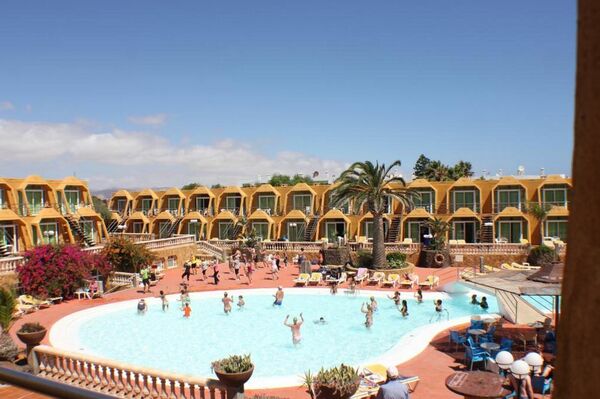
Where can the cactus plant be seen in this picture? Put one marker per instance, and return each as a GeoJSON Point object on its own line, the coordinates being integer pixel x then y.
{"type": "Point", "coordinates": [233, 364]}
{"type": "Point", "coordinates": [336, 382]}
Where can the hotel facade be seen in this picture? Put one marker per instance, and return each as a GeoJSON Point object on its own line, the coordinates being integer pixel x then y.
{"type": "Point", "coordinates": [479, 211]}
{"type": "Point", "coordinates": [36, 211]}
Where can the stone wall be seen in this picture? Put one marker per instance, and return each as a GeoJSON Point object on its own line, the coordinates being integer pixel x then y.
{"type": "Point", "coordinates": [180, 252]}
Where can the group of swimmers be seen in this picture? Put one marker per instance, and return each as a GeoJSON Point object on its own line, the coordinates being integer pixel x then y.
{"type": "Point", "coordinates": [484, 304]}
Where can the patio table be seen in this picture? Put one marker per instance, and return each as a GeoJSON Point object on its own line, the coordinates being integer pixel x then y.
{"type": "Point", "coordinates": [490, 346]}
{"type": "Point", "coordinates": [477, 384]}
{"type": "Point", "coordinates": [476, 332]}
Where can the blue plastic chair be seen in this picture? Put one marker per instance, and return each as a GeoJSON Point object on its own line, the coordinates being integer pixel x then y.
{"type": "Point", "coordinates": [457, 338]}
{"type": "Point", "coordinates": [505, 345]}
{"type": "Point", "coordinates": [540, 384]}
{"type": "Point", "coordinates": [475, 355]}
{"type": "Point", "coordinates": [476, 325]}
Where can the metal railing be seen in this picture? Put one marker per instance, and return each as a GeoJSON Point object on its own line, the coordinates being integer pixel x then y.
{"type": "Point", "coordinates": [121, 380]}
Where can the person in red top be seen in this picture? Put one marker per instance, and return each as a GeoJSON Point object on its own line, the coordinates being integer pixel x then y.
{"type": "Point", "coordinates": [187, 311]}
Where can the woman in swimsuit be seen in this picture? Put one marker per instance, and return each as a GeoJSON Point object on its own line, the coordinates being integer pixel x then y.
{"type": "Point", "coordinates": [395, 298]}
{"type": "Point", "coordinates": [404, 308]}
{"type": "Point", "coordinates": [368, 311]}
{"type": "Point", "coordinates": [226, 303]}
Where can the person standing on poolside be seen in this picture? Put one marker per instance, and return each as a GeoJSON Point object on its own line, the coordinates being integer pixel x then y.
{"type": "Point", "coordinates": [226, 303]}
{"type": "Point", "coordinates": [236, 266]}
{"type": "Point", "coordinates": [186, 270]}
{"type": "Point", "coordinates": [274, 268]}
{"type": "Point", "coordinates": [145, 273]}
{"type": "Point", "coordinates": [368, 311]}
{"type": "Point", "coordinates": [295, 327]}
{"type": "Point", "coordinates": [164, 301]}
{"type": "Point", "coordinates": [216, 271]}
{"type": "Point", "coordinates": [249, 271]}
{"type": "Point", "coordinates": [278, 296]}
{"type": "Point", "coordinates": [204, 269]}
{"type": "Point", "coordinates": [187, 311]}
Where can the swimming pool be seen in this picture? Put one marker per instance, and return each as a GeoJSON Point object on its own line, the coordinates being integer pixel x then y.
{"type": "Point", "coordinates": [167, 341]}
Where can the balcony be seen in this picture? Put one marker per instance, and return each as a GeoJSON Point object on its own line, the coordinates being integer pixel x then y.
{"type": "Point", "coordinates": [499, 207]}
{"type": "Point", "coordinates": [475, 207]}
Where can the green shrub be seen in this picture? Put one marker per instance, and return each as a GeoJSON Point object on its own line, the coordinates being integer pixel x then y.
{"type": "Point", "coordinates": [233, 364]}
{"type": "Point", "coordinates": [396, 260]}
{"type": "Point", "coordinates": [365, 259]}
{"type": "Point", "coordinates": [540, 255]}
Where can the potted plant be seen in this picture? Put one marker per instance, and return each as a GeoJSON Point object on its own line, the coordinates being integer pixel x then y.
{"type": "Point", "coordinates": [31, 334]}
{"type": "Point", "coordinates": [234, 370]}
{"type": "Point", "coordinates": [335, 383]}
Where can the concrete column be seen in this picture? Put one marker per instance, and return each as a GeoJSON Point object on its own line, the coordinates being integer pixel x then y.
{"type": "Point", "coordinates": [578, 343]}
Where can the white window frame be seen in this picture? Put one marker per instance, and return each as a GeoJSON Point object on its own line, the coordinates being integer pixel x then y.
{"type": "Point", "coordinates": [507, 190]}
{"type": "Point", "coordinates": [431, 194]}
{"type": "Point", "coordinates": [171, 262]}
{"type": "Point", "coordinates": [133, 227]}
{"type": "Point", "coordinates": [35, 211]}
{"type": "Point", "coordinates": [262, 224]}
{"type": "Point", "coordinates": [546, 224]}
{"type": "Point", "coordinates": [327, 224]}
{"type": "Point", "coordinates": [121, 204]}
{"type": "Point", "coordinates": [294, 225]}
{"type": "Point", "coordinates": [545, 191]}
{"type": "Point", "coordinates": [84, 222]}
{"type": "Point", "coordinates": [46, 240]}
{"type": "Point", "coordinates": [499, 229]}
{"type": "Point", "coordinates": [192, 232]}
{"type": "Point", "coordinates": [368, 225]}
{"type": "Point", "coordinates": [475, 204]}
{"type": "Point", "coordinates": [14, 247]}
{"type": "Point", "coordinates": [220, 226]}
{"type": "Point", "coordinates": [145, 210]}
{"type": "Point", "coordinates": [200, 200]}
{"type": "Point", "coordinates": [465, 222]}
{"type": "Point", "coordinates": [295, 198]}
{"type": "Point", "coordinates": [72, 207]}
{"type": "Point", "coordinates": [264, 197]}
{"type": "Point", "coordinates": [2, 191]}
{"type": "Point", "coordinates": [173, 210]}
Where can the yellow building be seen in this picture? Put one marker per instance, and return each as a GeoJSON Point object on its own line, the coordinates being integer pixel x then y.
{"type": "Point", "coordinates": [491, 210]}
{"type": "Point", "coordinates": [37, 211]}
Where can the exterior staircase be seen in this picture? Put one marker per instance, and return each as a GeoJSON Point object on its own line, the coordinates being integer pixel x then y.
{"type": "Point", "coordinates": [235, 231]}
{"type": "Point", "coordinates": [172, 227]}
{"type": "Point", "coordinates": [486, 234]}
{"type": "Point", "coordinates": [4, 250]}
{"type": "Point", "coordinates": [394, 231]}
{"type": "Point", "coordinates": [311, 229]}
{"type": "Point", "coordinates": [83, 238]}
{"type": "Point", "coordinates": [114, 224]}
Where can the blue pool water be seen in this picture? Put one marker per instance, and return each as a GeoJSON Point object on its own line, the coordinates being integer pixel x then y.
{"type": "Point", "coordinates": [167, 341]}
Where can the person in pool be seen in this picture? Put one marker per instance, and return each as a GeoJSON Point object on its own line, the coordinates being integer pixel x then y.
{"type": "Point", "coordinates": [419, 295]}
{"type": "Point", "coordinates": [404, 308]}
{"type": "Point", "coordinates": [484, 304]}
{"type": "Point", "coordinates": [187, 311]}
{"type": "Point", "coordinates": [295, 327]}
{"type": "Point", "coordinates": [164, 301]}
{"type": "Point", "coordinates": [321, 321]}
{"type": "Point", "coordinates": [226, 303]}
{"type": "Point", "coordinates": [373, 304]}
{"type": "Point", "coordinates": [142, 306]}
{"type": "Point", "coordinates": [395, 298]}
{"type": "Point", "coordinates": [474, 300]}
{"type": "Point", "coordinates": [438, 305]}
{"type": "Point", "coordinates": [241, 302]}
{"type": "Point", "coordinates": [278, 296]}
{"type": "Point", "coordinates": [368, 311]}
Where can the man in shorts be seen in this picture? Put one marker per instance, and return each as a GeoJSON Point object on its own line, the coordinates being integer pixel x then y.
{"type": "Point", "coordinates": [145, 273]}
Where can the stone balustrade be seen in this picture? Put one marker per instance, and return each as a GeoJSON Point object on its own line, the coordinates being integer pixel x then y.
{"type": "Point", "coordinates": [211, 249]}
{"type": "Point", "coordinates": [389, 247]}
{"type": "Point", "coordinates": [122, 380]}
{"type": "Point", "coordinates": [9, 265]}
{"type": "Point", "coordinates": [295, 246]}
{"type": "Point", "coordinates": [489, 249]}
{"type": "Point", "coordinates": [135, 237]}
{"type": "Point", "coordinates": [169, 242]}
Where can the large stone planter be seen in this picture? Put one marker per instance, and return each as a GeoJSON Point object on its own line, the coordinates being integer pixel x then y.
{"type": "Point", "coordinates": [324, 392]}
{"type": "Point", "coordinates": [432, 258]}
{"type": "Point", "coordinates": [31, 340]}
{"type": "Point", "coordinates": [235, 380]}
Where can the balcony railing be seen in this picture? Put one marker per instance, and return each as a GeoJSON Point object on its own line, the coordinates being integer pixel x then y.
{"type": "Point", "coordinates": [135, 237]}
{"type": "Point", "coordinates": [472, 206]}
{"type": "Point", "coordinates": [120, 379]}
{"type": "Point", "coordinates": [489, 249]}
{"type": "Point", "coordinates": [499, 207]}
{"type": "Point", "coordinates": [557, 204]}
{"type": "Point", "coordinates": [9, 264]}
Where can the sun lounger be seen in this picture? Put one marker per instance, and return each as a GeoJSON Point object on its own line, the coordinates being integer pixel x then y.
{"type": "Point", "coordinates": [339, 280]}
{"type": "Point", "coordinates": [302, 279]}
{"type": "Point", "coordinates": [410, 281]}
{"type": "Point", "coordinates": [361, 275]}
{"type": "Point", "coordinates": [391, 280]}
{"type": "Point", "coordinates": [315, 278]}
{"type": "Point", "coordinates": [376, 278]}
{"type": "Point", "coordinates": [29, 300]}
{"type": "Point", "coordinates": [430, 282]}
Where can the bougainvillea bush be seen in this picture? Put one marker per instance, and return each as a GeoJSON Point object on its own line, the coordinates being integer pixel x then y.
{"type": "Point", "coordinates": [53, 270]}
{"type": "Point", "coordinates": [126, 256]}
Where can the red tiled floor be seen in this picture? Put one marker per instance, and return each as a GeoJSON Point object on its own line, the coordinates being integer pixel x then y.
{"type": "Point", "coordinates": [432, 365]}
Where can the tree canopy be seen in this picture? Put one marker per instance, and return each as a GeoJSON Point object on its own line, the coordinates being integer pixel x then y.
{"type": "Point", "coordinates": [191, 186]}
{"type": "Point", "coordinates": [101, 208]}
{"type": "Point", "coordinates": [436, 170]}
{"type": "Point", "coordinates": [286, 180]}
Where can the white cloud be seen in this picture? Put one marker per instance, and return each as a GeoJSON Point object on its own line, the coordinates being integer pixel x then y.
{"type": "Point", "coordinates": [6, 106]}
{"type": "Point", "coordinates": [149, 120]}
{"type": "Point", "coordinates": [119, 158]}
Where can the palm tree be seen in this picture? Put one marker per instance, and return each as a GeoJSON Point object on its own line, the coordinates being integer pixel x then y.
{"type": "Point", "coordinates": [8, 304]}
{"type": "Point", "coordinates": [365, 183]}
{"type": "Point", "coordinates": [439, 229]}
{"type": "Point", "coordinates": [437, 171]}
{"type": "Point", "coordinates": [540, 212]}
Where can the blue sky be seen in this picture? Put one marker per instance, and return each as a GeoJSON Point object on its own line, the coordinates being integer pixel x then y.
{"type": "Point", "coordinates": [160, 93]}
